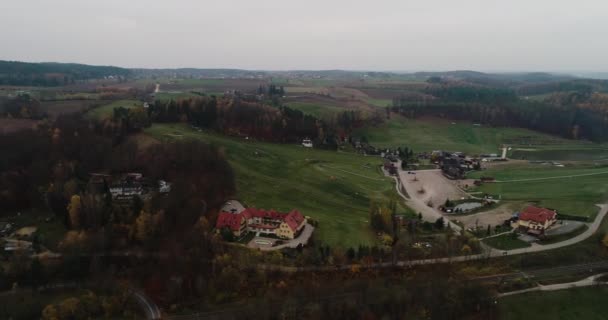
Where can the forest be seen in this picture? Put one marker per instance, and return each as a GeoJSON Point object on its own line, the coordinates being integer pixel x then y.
{"type": "Point", "coordinates": [572, 114]}
{"type": "Point", "coordinates": [53, 74]}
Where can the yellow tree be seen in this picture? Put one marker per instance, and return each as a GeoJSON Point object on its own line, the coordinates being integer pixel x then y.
{"type": "Point", "coordinates": [71, 308]}
{"type": "Point", "coordinates": [74, 209]}
{"type": "Point", "coordinates": [50, 313]}
{"type": "Point", "coordinates": [144, 226]}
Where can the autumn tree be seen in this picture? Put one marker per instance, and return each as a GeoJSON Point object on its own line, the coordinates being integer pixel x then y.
{"type": "Point", "coordinates": [74, 209]}
{"type": "Point", "coordinates": [50, 312]}
{"type": "Point", "coordinates": [144, 227]}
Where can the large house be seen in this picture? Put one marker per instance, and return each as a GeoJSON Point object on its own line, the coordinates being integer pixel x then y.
{"type": "Point", "coordinates": [283, 225]}
{"type": "Point", "coordinates": [536, 220]}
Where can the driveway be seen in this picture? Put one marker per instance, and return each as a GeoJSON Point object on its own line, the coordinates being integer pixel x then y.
{"type": "Point", "coordinates": [302, 239]}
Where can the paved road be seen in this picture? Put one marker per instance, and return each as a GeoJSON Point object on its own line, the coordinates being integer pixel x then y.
{"type": "Point", "coordinates": [148, 306]}
{"type": "Point", "coordinates": [590, 281]}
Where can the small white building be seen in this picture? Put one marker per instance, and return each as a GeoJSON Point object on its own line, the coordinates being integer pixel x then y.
{"type": "Point", "coordinates": [307, 143]}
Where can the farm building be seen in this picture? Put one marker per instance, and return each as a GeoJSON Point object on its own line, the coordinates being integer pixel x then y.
{"type": "Point", "coordinates": [536, 220]}
{"type": "Point", "coordinates": [283, 225]}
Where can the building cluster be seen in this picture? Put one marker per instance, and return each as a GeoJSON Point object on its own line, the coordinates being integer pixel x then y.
{"type": "Point", "coordinates": [127, 186]}
{"type": "Point", "coordinates": [271, 222]}
{"type": "Point", "coordinates": [454, 165]}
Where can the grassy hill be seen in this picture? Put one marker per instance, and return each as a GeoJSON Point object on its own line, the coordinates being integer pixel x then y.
{"type": "Point", "coordinates": [333, 187]}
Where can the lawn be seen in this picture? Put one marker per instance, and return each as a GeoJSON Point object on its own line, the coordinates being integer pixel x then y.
{"type": "Point", "coordinates": [334, 188]}
{"type": "Point", "coordinates": [506, 242]}
{"type": "Point", "coordinates": [572, 190]}
{"type": "Point", "coordinates": [563, 153]}
{"type": "Point", "coordinates": [106, 111]}
{"type": "Point", "coordinates": [577, 303]}
{"type": "Point", "coordinates": [437, 134]}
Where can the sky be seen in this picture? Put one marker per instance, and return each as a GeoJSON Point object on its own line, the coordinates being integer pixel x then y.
{"type": "Point", "coordinates": [387, 35]}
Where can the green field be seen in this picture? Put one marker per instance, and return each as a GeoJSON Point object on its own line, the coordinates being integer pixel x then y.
{"type": "Point", "coordinates": [106, 111]}
{"type": "Point", "coordinates": [333, 187]}
{"type": "Point", "coordinates": [506, 242]}
{"type": "Point", "coordinates": [428, 135]}
{"type": "Point", "coordinates": [320, 111]}
{"type": "Point", "coordinates": [581, 152]}
{"type": "Point", "coordinates": [166, 96]}
{"type": "Point", "coordinates": [578, 303]}
{"type": "Point", "coordinates": [572, 190]}
{"type": "Point", "coordinates": [379, 102]}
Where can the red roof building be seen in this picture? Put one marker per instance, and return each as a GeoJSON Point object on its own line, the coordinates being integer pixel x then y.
{"type": "Point", "coordinates": [294, 219]}
{"type": "Point", "coordinates": [536, 220]}
{"type": "Point", "coordinates": [284, 225]}
{"type": "Point", "coordinates": [234, 222]}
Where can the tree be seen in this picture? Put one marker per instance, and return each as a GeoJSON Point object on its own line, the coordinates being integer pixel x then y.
{"type": "Point", "coordinates": [50, 313]}
{"type": "Point", "coordinates": [350, 254]}
{"type": "Point", "coordinates": [439, 224]}
{"type": "Point", "coordinates": [36, 273]}
{"type": "Point", "coordinates": [605, 240]}
{"type": "Point", "coordinates": [144, 227]}
{"type": "Point", "coordinates": [489, 231]}
{"type": "Point", "coordinates": [466, 250]}
{"type": "Point", "coordinates": [71, 308]}
{"type": "Point", "coordinates": [74, 209]}
{"type": "Point", "coordinates": [227, 234]}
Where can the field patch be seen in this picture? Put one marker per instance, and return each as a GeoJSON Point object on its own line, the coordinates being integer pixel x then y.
{"type": "Point", "coordinates": [572, 190]}
{"type": "Point", "coordinates": [578, 303]}
{"type": "Point", "coordinates": [320, 111]}
{"type": "Point", "coordinates": [437, 134]}
{"type": "Point", "coordinates": [590, 153]}
{"type": "Point", "coordinates": [107, 110]}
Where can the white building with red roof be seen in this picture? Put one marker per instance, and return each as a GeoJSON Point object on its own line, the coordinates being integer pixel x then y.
{"type": "Point", "coordinates": [536, 220]}
{"type": "Point", "coordinates": [283, 225]}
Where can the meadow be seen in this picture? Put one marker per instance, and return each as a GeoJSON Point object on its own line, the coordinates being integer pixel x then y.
{"type": "Point", "coordinates": [107, 110]}
{"type": "Point", "coordinates": [334, 188]}
{"type": "Point", "coordinates": [580, 152]}
{"type": "Point", "coordinates": [438, 134]}
{"type": "Point", "coordinates": [572, 190]}
{"type": "Point", "coordinates": [576, 303]}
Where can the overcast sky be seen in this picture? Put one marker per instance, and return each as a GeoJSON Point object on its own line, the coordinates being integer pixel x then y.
{"type": "Point", "coordinates": [403, 35]}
